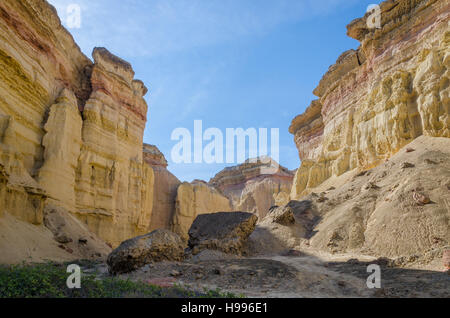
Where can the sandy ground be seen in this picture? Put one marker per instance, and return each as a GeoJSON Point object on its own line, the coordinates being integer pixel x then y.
{"type": "Point", "coordinates": [24, 242]}
{"type": "Point", "coordinates": [299, 276]}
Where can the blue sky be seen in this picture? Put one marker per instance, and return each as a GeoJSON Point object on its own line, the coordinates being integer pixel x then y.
{"type": "Point", "coordinates": [229, 63]}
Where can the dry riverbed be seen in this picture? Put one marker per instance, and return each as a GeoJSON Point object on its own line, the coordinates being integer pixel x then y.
{"type": "Point", "coordinates": [295, 274]}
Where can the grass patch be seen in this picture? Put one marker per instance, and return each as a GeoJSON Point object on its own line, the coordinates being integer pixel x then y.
{"type": "Point", "coordinates": [49, 281]}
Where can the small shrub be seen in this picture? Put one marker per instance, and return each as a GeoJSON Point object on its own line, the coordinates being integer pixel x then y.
{"type": "Point", "coordinates": [49, 281]}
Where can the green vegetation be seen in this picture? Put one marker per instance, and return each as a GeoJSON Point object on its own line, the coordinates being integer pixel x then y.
{"type": "Point", "coordinates": [49, 281]}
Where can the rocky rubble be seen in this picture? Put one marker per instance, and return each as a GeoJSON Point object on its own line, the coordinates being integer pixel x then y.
{"type": "Point", "coordinates": [215, 234]}
{"type": "Point", "coordinates": [284, 229]}
{"type": "Point", "coordinates": [76, 139]}
{"type": "Point", "coordinates": [165, 190]}
{"type": "Point", "coordinates": [282, 215]}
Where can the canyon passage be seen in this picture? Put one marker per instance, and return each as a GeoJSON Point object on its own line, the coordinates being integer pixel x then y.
{"type": "Point", "coordinates": [77, 181]}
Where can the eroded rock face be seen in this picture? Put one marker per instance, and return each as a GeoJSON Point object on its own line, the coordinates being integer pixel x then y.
{"type": "Point", "coordinates": [160, 245]}
{"type": "Point", "coordinates": [282, 215]}
{"type": "Point", "coordinates": [376, 100]}
{"type": "Point", "coordinates": [194, 199]}
{"type": "Point", "coordinates": [72, 235]}
{"type": "Point", "coordinates": [255, 187]}
{"type": "Point", "coordinates": [70, 130]}
{"type": "Point", "coordinates": [224, 231]}
{"type": "Point", "coordinates": [165, 190]}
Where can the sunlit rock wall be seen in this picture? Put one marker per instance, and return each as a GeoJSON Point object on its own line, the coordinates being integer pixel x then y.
{"type": "Point", "coordinates": [377, 99]}
{"type": "Point", "coordinates": [38, 60]}
{"type": "Point", "coordinates": [70, 129]}
{"type": "Point", "coordinates": [114, 187]}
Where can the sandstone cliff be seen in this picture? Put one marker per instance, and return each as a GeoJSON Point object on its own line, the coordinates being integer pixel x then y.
{"type": "Point", "coordinates": [70, 129]}
{"type": "Point", "coordinates": [165, 189]}
{"type": "Point", "coordinates": [379, 98]}
{"type": "Point", "coordinates": [374, 145]}
{"type": "Point", "coordinates": [194, 199]}
{"type": "Point", "coordinates": [250, 189]}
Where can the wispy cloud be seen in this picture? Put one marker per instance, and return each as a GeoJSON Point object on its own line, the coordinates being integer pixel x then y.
{"type": "Point", "coordinates": [151, 28]}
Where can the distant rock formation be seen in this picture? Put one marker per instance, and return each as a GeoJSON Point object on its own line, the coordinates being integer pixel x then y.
{"type": "Point", "coordinates": [251, 189]}
{"type": "Point", "coordinates": [70, 130]}
{"type": "Point", "coordinates": [379, 98]}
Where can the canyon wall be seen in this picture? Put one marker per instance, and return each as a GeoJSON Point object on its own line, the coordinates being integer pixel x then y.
{"type": "Point", "coordinates": [40, 66]}
{"type": "Point", "coordinates": [247, 187]}
{"type": "Point", "coordinates": [380, 97]}
{"type": "Point", "coordinates": [71, 129]}
{"type": "Point", "coordinates": [165, 189]}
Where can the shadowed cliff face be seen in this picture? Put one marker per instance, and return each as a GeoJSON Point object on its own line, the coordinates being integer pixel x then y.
{"type": "Point", "coordinates": [377, 99]}
{"type": "Point", "coordinates": [70, 130]}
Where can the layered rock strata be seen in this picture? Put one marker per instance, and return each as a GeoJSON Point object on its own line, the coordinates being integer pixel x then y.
{"type": "Point", "coordinates": [399, 209]}
{"type": "Point", "coordinates": [225, 232]}
{"type": "Point", "coordinates": [194, 199]}
{"type": "Point", "coordinates": [40, 66]}
{"type": "Point", "coordinates": [157, 246]}
{"type": "Point", "coordinates": [380, 97]}
{"type": "Point", "coordinates": [251, 189]}
{"type": "Point", "coordinates": [70, 129]}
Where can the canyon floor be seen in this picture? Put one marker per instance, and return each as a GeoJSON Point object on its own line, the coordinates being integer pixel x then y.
{"type": "Point", "coordinates": [302, 270]}
{"type": "Point", "coordinates": [313, 274]}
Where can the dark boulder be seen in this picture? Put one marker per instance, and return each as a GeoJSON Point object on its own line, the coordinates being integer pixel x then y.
{"type": "Point", "coordinates": [159, 245]}
{"type": "Point", "coordinates": [223, 231]}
